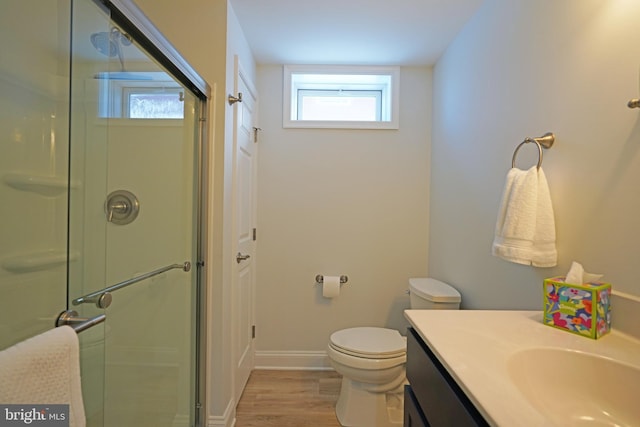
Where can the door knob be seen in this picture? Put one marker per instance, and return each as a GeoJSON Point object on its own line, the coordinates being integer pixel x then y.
{"type": "Point", "coordinates": [241, 257]}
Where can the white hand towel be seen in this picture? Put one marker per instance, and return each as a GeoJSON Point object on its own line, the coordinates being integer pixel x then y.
{"type": "Point", "coordinates": [44, 369]}
{"type": "Point", "coordinates": [544, 253]}
{"type": "Point", "coordinates": [525, 230]}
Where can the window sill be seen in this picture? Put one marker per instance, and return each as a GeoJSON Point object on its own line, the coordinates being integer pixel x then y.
{"type": "Point", "coordinates": [326, 124]}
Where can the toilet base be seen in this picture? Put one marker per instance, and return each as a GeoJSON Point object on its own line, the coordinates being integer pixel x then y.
{"type": "Point", "coordinates": [357, 407]}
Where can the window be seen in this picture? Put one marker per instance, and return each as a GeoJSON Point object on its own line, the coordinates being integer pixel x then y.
{"type": "Point", "coordinates": [341, 97]}
{"type": "Point", "coordinates": [151, 103]}
{"type": "Point", "coordinates": [339, 105]}
{"type": "Point", "coordinates": [140, 95]}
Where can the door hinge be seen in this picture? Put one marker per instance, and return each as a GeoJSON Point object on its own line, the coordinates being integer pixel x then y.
{"type": "Point", "coordinates": [255, 234]}
{"type": "Point", "coordinates": [253, 331]}
{"type": "Point", "coordinates": [255, 133]}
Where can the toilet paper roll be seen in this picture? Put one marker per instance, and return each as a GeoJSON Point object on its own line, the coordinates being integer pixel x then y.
{"type": "Point", "coordinates": [331, 286]}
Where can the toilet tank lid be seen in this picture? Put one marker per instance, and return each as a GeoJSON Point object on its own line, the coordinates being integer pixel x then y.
{"type": "Point", "coordinates": [434, 290]}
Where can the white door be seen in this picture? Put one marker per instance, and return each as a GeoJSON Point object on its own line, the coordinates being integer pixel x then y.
{"type": "Point", "coordinates": [245, 202]}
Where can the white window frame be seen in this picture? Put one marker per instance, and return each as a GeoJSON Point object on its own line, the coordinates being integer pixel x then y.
{"type": "Point", "coordinates": [114, 88]}
{"type": "Point", "coordinates": [390, 96]}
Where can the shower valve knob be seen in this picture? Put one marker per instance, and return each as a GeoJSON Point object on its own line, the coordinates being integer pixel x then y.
{"type": "Point", "coordinates": [121, 207]}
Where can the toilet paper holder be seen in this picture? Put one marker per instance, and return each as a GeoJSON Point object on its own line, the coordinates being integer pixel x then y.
{"type": "Point", "coordinates": [320, 279]}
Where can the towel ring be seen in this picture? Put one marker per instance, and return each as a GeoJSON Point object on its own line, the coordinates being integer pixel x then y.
{"type": "Point", "coordinates": [527, 140]}
{"type": "Point", "coordinates": [545, 141]}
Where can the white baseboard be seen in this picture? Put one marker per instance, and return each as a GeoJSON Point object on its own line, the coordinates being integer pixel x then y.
{"type": "Point", "coordinates": [298, 360]}
{"type": "Point", "coordinates": [228, 419]}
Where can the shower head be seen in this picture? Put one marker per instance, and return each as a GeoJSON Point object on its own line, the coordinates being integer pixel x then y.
{"type": "Point", "coordinates": [105, 44]}
{"type": "Point", "coordinates": [108, 43]}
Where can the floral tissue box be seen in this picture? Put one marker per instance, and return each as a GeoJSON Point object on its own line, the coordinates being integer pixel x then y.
{"type": "Point", "coordinates": [582, 309]}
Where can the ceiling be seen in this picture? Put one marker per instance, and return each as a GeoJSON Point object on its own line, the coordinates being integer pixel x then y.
{"type": "Point", "coordinates": [357, 32]}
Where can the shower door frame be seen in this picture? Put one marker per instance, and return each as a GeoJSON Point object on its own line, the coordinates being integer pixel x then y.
{"type": "Point", "coordinates": [131, 19]}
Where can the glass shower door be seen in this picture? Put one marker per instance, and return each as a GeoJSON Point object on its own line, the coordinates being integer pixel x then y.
{"type": "Point", "coordinates": [133, 219]}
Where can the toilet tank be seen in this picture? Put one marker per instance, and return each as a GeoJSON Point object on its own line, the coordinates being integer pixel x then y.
{"type": "Point", "coordinates": [431, 294]}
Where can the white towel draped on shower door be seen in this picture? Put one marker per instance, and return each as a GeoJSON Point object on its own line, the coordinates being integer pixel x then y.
{"type": "Point", "coordinates": [43, 370]}
{"type": "Point", "coordinates": [525, 230]}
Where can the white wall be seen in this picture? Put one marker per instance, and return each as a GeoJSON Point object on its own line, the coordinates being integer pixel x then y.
{"type": "Point", "coordinates": [237, 45]}
{"type": "Point", "coordinates": [333, 202]}
{"type": "Point", "coordinates": [521, 68]}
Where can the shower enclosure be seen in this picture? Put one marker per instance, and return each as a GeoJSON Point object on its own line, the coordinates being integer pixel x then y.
{"type": "Point", "coordinates": [101, 201]}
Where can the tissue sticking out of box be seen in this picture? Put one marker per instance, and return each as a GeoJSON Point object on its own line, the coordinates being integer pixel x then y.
{"type": "Point", "coordinates": [577, 275]}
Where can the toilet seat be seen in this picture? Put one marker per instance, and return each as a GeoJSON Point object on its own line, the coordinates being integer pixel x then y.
{"type": "Point", "coordinates": [369, 342]}
{"type": "Point", "coordinates": [380, 364]}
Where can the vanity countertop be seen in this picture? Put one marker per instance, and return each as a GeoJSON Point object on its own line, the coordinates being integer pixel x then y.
{"type": "Point", "coordinates": [475, 346]}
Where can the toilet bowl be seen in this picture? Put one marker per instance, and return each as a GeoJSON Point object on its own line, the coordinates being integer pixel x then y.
{"type": "Point", "coordinates": [372, 364]}
{"type": "Point", "coordinates": [372, 360]}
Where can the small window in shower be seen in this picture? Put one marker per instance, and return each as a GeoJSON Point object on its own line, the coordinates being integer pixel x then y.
{"type": "Point", "coordinates": [139, 95]}
{"type": "Point", "coordinates": [145, 103]}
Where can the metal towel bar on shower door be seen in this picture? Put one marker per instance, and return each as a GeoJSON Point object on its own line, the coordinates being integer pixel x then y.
{"type": "Point", "coordinates": [79, 324]}
{"type": "Point", "coordinates": [102, 298]}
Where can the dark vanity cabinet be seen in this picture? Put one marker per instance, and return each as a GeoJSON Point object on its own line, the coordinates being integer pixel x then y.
{"type": "Point", "coordinates": [432, 397]}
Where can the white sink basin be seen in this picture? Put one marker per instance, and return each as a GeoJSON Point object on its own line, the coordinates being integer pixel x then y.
{"type": "Point", "coordinates": [574, 388]}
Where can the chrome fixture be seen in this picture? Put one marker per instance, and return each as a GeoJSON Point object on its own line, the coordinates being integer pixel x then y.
{"type": "Point", "coordinates": [121, 207]}
{"type": "Point", "coordinates": [108, 43]}
{"type": "Point", "coordinates": [233, 99]}
{"type": "Point", "coordinates": [102, 300]}
{"type": "Point", "coordinates": [97, 296]}
{"type": "Point", "coordinates": [79, 324]}
{"type": "Point", "coordinates": [343, 279]}
{"type": "Point", "coordinates": [240, 257]}
{"type": "Point", "coordinates": [255, 133]}
{"type": "Point", "coordinates": [545, 141]}
{"type": "Point", "coordinates": [634, 103]}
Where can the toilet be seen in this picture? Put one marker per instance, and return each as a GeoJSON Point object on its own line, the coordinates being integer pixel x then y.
{"type": "Point", "coordinates": [372, 360]}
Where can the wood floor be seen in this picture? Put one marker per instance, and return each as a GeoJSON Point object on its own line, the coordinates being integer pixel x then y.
{"type": "Point", "coordinates": [289, 399]}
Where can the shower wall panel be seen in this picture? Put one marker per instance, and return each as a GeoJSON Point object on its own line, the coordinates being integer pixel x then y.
{"type": "Point", "coordinates": [34, 88]}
